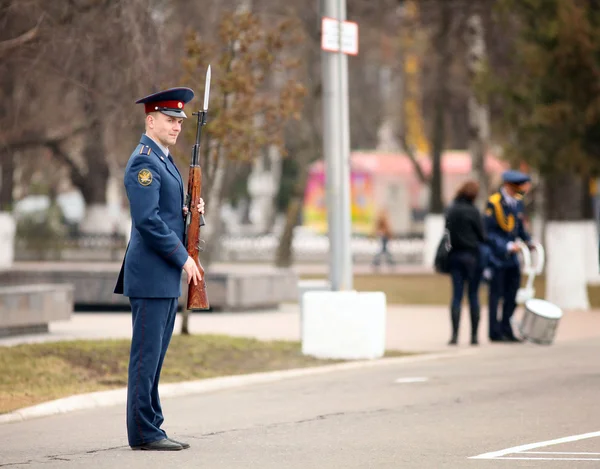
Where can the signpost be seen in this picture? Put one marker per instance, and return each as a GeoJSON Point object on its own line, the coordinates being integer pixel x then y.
{"type": "Point", "coordinates": [341, 322]}
{"type": "Point", "coordinates": [330, 36]}
{"type": "Point", "coordinates": [339, 38]}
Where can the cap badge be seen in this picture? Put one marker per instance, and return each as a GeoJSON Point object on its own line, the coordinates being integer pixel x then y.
{"type": "Point", "coordinates": [179, 104]}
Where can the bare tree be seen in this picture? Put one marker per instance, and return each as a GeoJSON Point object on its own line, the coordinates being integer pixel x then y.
{"type": "Point", "coordinates": [80, 59]}
{"type": "Point", "coordinates": [248, 52]}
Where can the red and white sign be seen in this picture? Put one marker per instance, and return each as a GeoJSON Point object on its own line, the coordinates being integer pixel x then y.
{"type": "Point", "coordinates": [330, 36]}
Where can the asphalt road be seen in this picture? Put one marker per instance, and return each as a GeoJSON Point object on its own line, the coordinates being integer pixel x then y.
{"type": "Point", "coordinates": [458, 408]}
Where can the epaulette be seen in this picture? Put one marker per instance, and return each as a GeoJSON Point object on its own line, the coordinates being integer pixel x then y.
{"type": "Point", "coordinates": [506, 223]}
{"type": "Point", "coordinates": [495, 198]}
{"type": "Point", "coordinates": [145, 150]}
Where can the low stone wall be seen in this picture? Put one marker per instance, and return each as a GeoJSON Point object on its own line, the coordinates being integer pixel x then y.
{"type": "Point", "coordinates": [28, 309]}
{"type": "Point", "coordinates": [267, 287]}
{"type": "Point", "coordinates": [93, 283]}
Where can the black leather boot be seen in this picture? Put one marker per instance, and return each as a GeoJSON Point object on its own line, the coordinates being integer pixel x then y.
{"type": "Point", "coordinates": [455, 316]}
{"type": "Point", "coordinates": [474, 326]}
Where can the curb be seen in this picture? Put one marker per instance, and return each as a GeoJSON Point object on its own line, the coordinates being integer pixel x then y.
{"type": "Point", "coordinates": [100, 399]}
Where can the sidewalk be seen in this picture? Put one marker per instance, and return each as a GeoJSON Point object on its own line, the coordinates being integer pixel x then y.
{"type": "Point", "coordinates": [409, 328]}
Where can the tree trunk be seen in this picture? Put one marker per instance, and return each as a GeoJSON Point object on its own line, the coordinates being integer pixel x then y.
{"type": "Point", "coordinates": [284, 255]}
{"type": "Point", "coordinates": [263, 185]}
{"type": "Point", "coordinates": [94, 191]}
{"type": "Point", "coordinates": [444, 60]}
{"type": "Point", "coordinates": [7, 170]}
{"type": "Point", "coordinates": [97, 218]}
{"type": "Point", "coordinates": [478, 112]}
{"type": "Point", "coordinates": [564, 197]}
{"type": "Point", "coordinates": [434, 221]}
{"type": "Point", "coordinates": [566, 283]}
{"type": "Point", "coordinates": [7, 240]}
{"type": "Point", "coordinates": [7, 159]}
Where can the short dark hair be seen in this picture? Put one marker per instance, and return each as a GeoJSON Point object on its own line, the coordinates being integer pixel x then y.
{"type": "Point", "coordinates": [469, 190]}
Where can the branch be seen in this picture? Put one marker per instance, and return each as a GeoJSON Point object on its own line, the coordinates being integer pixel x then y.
{"type": "Point", "coordinates": [54, 145]}
{"type": "Point", "coordinates": [41, 141]}
{"type": "Point", "coordinates": [76, 176]}
{"type": "Point", "coordinates": [75, 10]}
{"type": "Point", "coordinates": [411, 156]}
{"type": "Point", "coordinates": [6, 46]}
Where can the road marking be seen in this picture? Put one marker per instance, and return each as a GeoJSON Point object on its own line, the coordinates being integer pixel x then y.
{"type": "Point", "coordinates": [418, 379]}
{"type": "Point", "coordinates": [546, 459]}
{"type": "Point", "coordinates": [559, 452]}
{"type": "Point", "coordinates": [522, 448]}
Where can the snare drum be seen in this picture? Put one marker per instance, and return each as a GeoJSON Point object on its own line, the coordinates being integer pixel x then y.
{"type": "Point", "coordinates": [540, 321]}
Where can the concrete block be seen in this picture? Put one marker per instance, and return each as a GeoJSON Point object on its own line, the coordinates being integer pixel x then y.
{"type": "Point", "coordinates": [30, 308]}
{"type": "Point", "coordinates": [344, 324]}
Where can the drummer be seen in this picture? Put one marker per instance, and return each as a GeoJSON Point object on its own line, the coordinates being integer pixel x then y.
{"type": "Point", "coordinates": [505, 230]}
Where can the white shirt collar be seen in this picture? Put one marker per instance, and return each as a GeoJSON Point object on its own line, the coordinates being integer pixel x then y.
{"type": "Point", "coordinates": [511, 200]}
{"type": "Point", "coordinates": [165, 150]}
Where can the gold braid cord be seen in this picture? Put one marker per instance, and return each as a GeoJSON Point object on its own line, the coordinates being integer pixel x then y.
{"type": "Point", "coordinates": [506, 223]}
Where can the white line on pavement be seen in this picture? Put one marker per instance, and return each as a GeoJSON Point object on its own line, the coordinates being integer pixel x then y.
{"type": "Point", "coordinates": [560, 452]}
{"type": "Point", "coordinates": [545, 459]}
{"type": "Point", "coordinates": [519, 449]}
{"type": "Point", "coordinates": [416, 379]}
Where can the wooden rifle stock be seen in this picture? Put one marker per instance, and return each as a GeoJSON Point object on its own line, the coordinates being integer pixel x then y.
{"type": "Point", "coordinates": [197, 297]}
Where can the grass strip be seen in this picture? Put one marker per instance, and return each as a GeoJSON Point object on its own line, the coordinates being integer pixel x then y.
{"type": "Point", "coordinates": [35, 373]}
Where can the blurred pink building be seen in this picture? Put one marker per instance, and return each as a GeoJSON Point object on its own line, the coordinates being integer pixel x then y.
{"type": "Point", "coordinates": [388, 181]}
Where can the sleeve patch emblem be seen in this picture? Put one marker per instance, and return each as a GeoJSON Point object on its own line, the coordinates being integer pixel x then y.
{"type": "Point", "coordinates": [145, 177]}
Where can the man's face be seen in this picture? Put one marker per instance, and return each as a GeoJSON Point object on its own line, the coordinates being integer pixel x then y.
{"type": "Point", "coordinates": [525, 188]}
{"type": "Point", "coordinates": [518, 190]}
{"type": "Point", "coordinates": [164, 128]}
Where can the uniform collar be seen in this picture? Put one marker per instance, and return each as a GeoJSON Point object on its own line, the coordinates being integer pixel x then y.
{"type": "Point", "coordinates": [157, 147]}
{"type": "Point", "coordinates": [510, 200]}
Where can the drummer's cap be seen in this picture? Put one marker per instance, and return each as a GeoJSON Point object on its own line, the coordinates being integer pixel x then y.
{"type": "Point", "coordinates": [515, 177]}
{"type": "Point", "coordinates": [170, 102]}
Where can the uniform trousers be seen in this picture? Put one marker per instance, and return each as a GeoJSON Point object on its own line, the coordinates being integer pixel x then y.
{"type": "Point", "coordinates": [504, 285]}
{"type": "Point", "coordinates": [153, 321]}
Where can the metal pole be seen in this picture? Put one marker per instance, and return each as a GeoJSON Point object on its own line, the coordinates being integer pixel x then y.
{"type": "Point", "coordinates": [346, 204]}
{"type": "Point", "coordinates": [336, 149]}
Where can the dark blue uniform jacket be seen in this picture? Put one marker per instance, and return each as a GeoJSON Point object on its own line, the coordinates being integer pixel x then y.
{"type": "Point", "coordinates": [156, 253]}
{"type": "Point", "coordinates": [503, 224]}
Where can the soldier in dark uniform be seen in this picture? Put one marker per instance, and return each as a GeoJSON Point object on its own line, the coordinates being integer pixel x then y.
{"type": "Point", "coordinates": [504, 227]}
{"type": "Point", "coordinates": [151, 271]}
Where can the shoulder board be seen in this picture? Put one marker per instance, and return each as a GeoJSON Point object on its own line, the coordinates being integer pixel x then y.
{"type": "Point", "coordinates": [145, 150]}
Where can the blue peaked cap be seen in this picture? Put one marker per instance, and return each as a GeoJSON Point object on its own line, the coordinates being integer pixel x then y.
{"type": "Point", "coordinates": [170, 102]}
{"type": "Point", "coordinates": [515, 177]}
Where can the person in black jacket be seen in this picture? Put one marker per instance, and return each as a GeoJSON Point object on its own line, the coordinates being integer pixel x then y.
{"type": "Point", "coordinates": [464, 222]}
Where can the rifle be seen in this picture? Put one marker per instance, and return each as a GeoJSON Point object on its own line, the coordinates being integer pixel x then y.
{"type": "Point", "coordinates": [197, 297]}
